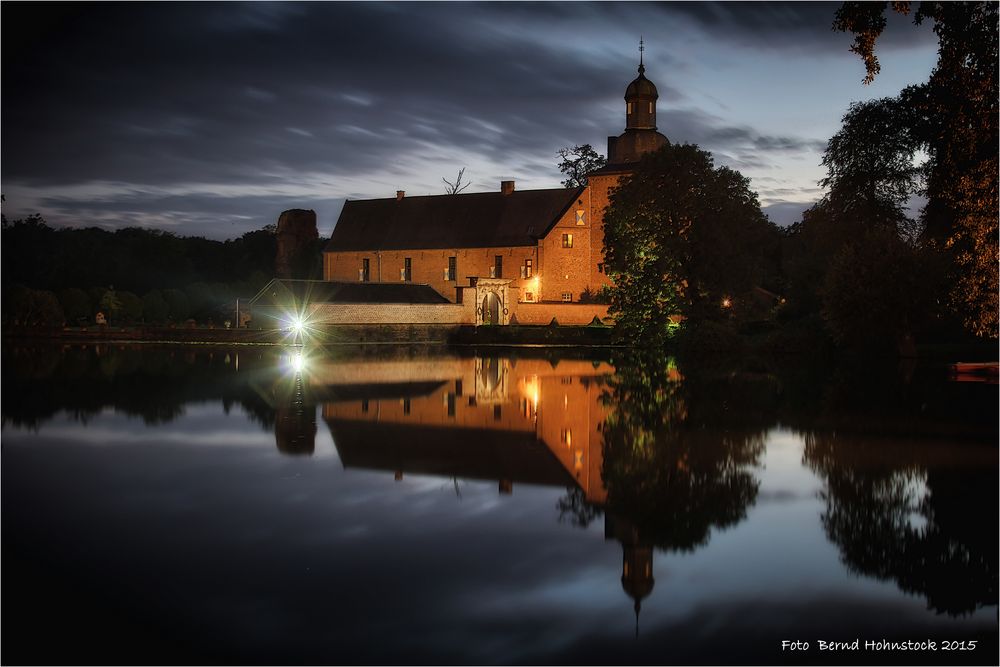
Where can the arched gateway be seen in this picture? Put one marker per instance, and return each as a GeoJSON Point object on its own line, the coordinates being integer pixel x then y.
{"type": "Point", "coordinates": [493, 301]}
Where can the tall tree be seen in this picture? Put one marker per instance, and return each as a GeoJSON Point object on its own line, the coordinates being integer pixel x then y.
{"type": "Point", "coordinates": [681, 237]}
{"type": "Point", "coordinates": [954, 115]}
{"type": "Point", "coordinates": [871, 168]}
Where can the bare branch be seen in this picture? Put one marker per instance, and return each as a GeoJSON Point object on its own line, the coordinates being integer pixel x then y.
{"type": "Point", "coordinates": [457, 186]}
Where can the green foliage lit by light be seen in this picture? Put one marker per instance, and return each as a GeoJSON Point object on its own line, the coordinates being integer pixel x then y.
{"type": "Point", "coordinates": [665, 473]}
{"type": "Point", "coordinates": [680, 234]}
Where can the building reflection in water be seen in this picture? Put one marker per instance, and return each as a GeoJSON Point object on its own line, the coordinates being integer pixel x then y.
{"type": "Point", "coordinates": [511, 421]}
{"type": "Point", "coordinates": [620, 442]}
{"type": "Point", "coordinates": [533, 421]}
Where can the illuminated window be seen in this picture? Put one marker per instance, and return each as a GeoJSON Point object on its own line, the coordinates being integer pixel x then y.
{"type": "Point", "coordinates": [567, 240]}
{"type": "Point", "coordinates": [566, 436]}
{"type": "Point", "coordinates": [365, 270]}
{"type": "Point", "coordinates": [452, 268]}
{"type": "Point", "coordinates": [650, 107]}
{"type": "Point", "coordinates": [581, 217]}
{"type": "Point", "coordinates": [628, 108]}
{"type": "Point", "coordinates": [528, 268]}
{"type": "Point", "coordinates": [406, 273]}
{"type": "Point", "coordinates": [567, 296]}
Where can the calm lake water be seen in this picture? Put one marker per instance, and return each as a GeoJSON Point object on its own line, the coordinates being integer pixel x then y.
{"type": "Point", "coordinates": [258, 505]}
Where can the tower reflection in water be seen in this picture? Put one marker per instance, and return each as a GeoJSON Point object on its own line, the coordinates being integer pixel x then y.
{"type": "Point", "coordinates": [620, 443]}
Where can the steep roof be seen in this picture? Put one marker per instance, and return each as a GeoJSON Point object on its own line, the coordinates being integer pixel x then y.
{"type": "Point", "coordinates": [281, 292]}
{"type": "Point", "coordinates": [477, 220]}
{"type": "Point", "coordinates": [423, 449]}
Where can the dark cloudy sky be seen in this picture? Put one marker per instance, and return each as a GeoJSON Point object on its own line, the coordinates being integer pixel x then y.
{"type": "Point", "coordinates": [211, 119]}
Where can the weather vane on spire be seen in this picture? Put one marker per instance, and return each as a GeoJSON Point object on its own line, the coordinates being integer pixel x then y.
{"type": "Point", "coordinates": [641, 49]}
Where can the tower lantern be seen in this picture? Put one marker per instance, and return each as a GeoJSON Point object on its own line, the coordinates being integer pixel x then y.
{"type": "Point", "coordinates": [640, 135]}
{"type": "Point", "coordinates": [640, 100]}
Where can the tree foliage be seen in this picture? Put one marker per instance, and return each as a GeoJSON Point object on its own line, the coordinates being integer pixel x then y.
{"type": "Point", "coordinates": [30, 307]}
{"type": "Point", "coordinates": [870, 162]}
{"type": "Point", "coordinates": [137, 260]}
{"type": "Point", "coordinates": [874, 292]}
{"type": "Point", "coordinates": [131, 307]}
{"type": "Point", "coordinates": [154, 308]}
{"type": "Point", "coordinates": [577, 162]}
{"type": "Point", "coordinates": [953, 117]}
{"type": "Point", "coordinates": [110, 304]}
{"type": "Point", "coordinates": [81, 263]}
{"type": "Point", "coordinates": [178, 306]}
{"type": "Point", "coordinates": [76, 305]}
{"type": "Point", "coordinates": [682, 237]}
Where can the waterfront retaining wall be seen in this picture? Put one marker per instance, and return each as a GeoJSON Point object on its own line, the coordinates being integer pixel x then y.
{"type": "Point", "coordinates": [567, 314]}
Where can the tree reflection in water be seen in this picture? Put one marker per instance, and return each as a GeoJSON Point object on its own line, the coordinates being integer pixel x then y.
{"type": "Point", "coordinates": [156, 384]}
{"type": "Point", "coordinates": [668, 470]}
{"type": "Point", "coordinates": [672, 472]}
{"type": "Point", "coordinates": [922, 515]}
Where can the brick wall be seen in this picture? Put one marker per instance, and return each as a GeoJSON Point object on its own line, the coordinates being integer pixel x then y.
{"type": "Point", "coordinates": [565, 313]}
{"type": "Point", "coordinates": [566, 270]}
{"type": "Point", "coordinates": [599, 192]}
{"type": "Point", "coordinates": [557, 270]}
{"type": "Point", "coordinates": [393, 313]}
{"type": "Point", "coordinates": [428, 266]}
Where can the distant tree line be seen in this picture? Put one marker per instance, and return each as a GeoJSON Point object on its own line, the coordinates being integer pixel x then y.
{"type": "Point", "coordinates": [53, 276]}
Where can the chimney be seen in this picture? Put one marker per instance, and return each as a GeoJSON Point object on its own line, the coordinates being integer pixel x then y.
{"type": "Point", "coordinates": [400, 194]}
{"type": "Point", "coordinates": [506, 187]}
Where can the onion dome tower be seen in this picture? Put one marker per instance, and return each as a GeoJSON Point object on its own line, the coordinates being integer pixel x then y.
{"type": "Point", "coordinates": [640, 100]}
{"type": "Point", "coordinates": [637, 575]}
{"type": "Point", "coordinates": [640, 120]}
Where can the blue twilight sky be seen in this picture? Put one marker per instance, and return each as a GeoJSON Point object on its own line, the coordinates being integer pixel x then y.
{"type": "Point", "coordinates": [211, 119]}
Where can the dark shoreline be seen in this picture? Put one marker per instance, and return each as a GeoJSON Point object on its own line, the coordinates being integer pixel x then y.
{"type": "Point", "coordinates": [520, 337]}
{"type": "Point", "coordinates": [588, 336]}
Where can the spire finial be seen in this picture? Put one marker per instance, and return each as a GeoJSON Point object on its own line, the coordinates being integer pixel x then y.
{"type": "Point", "coordinates": [637, 607]}
{"type": "Point", "coordinates": [642, 48]}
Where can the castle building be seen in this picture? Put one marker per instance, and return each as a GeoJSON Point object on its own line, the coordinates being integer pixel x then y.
{"type": "Point", "coordinates": [527, 247]}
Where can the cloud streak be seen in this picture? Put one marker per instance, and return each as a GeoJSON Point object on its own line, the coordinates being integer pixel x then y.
{"type": "Point", "coordinates": [157, 109]}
